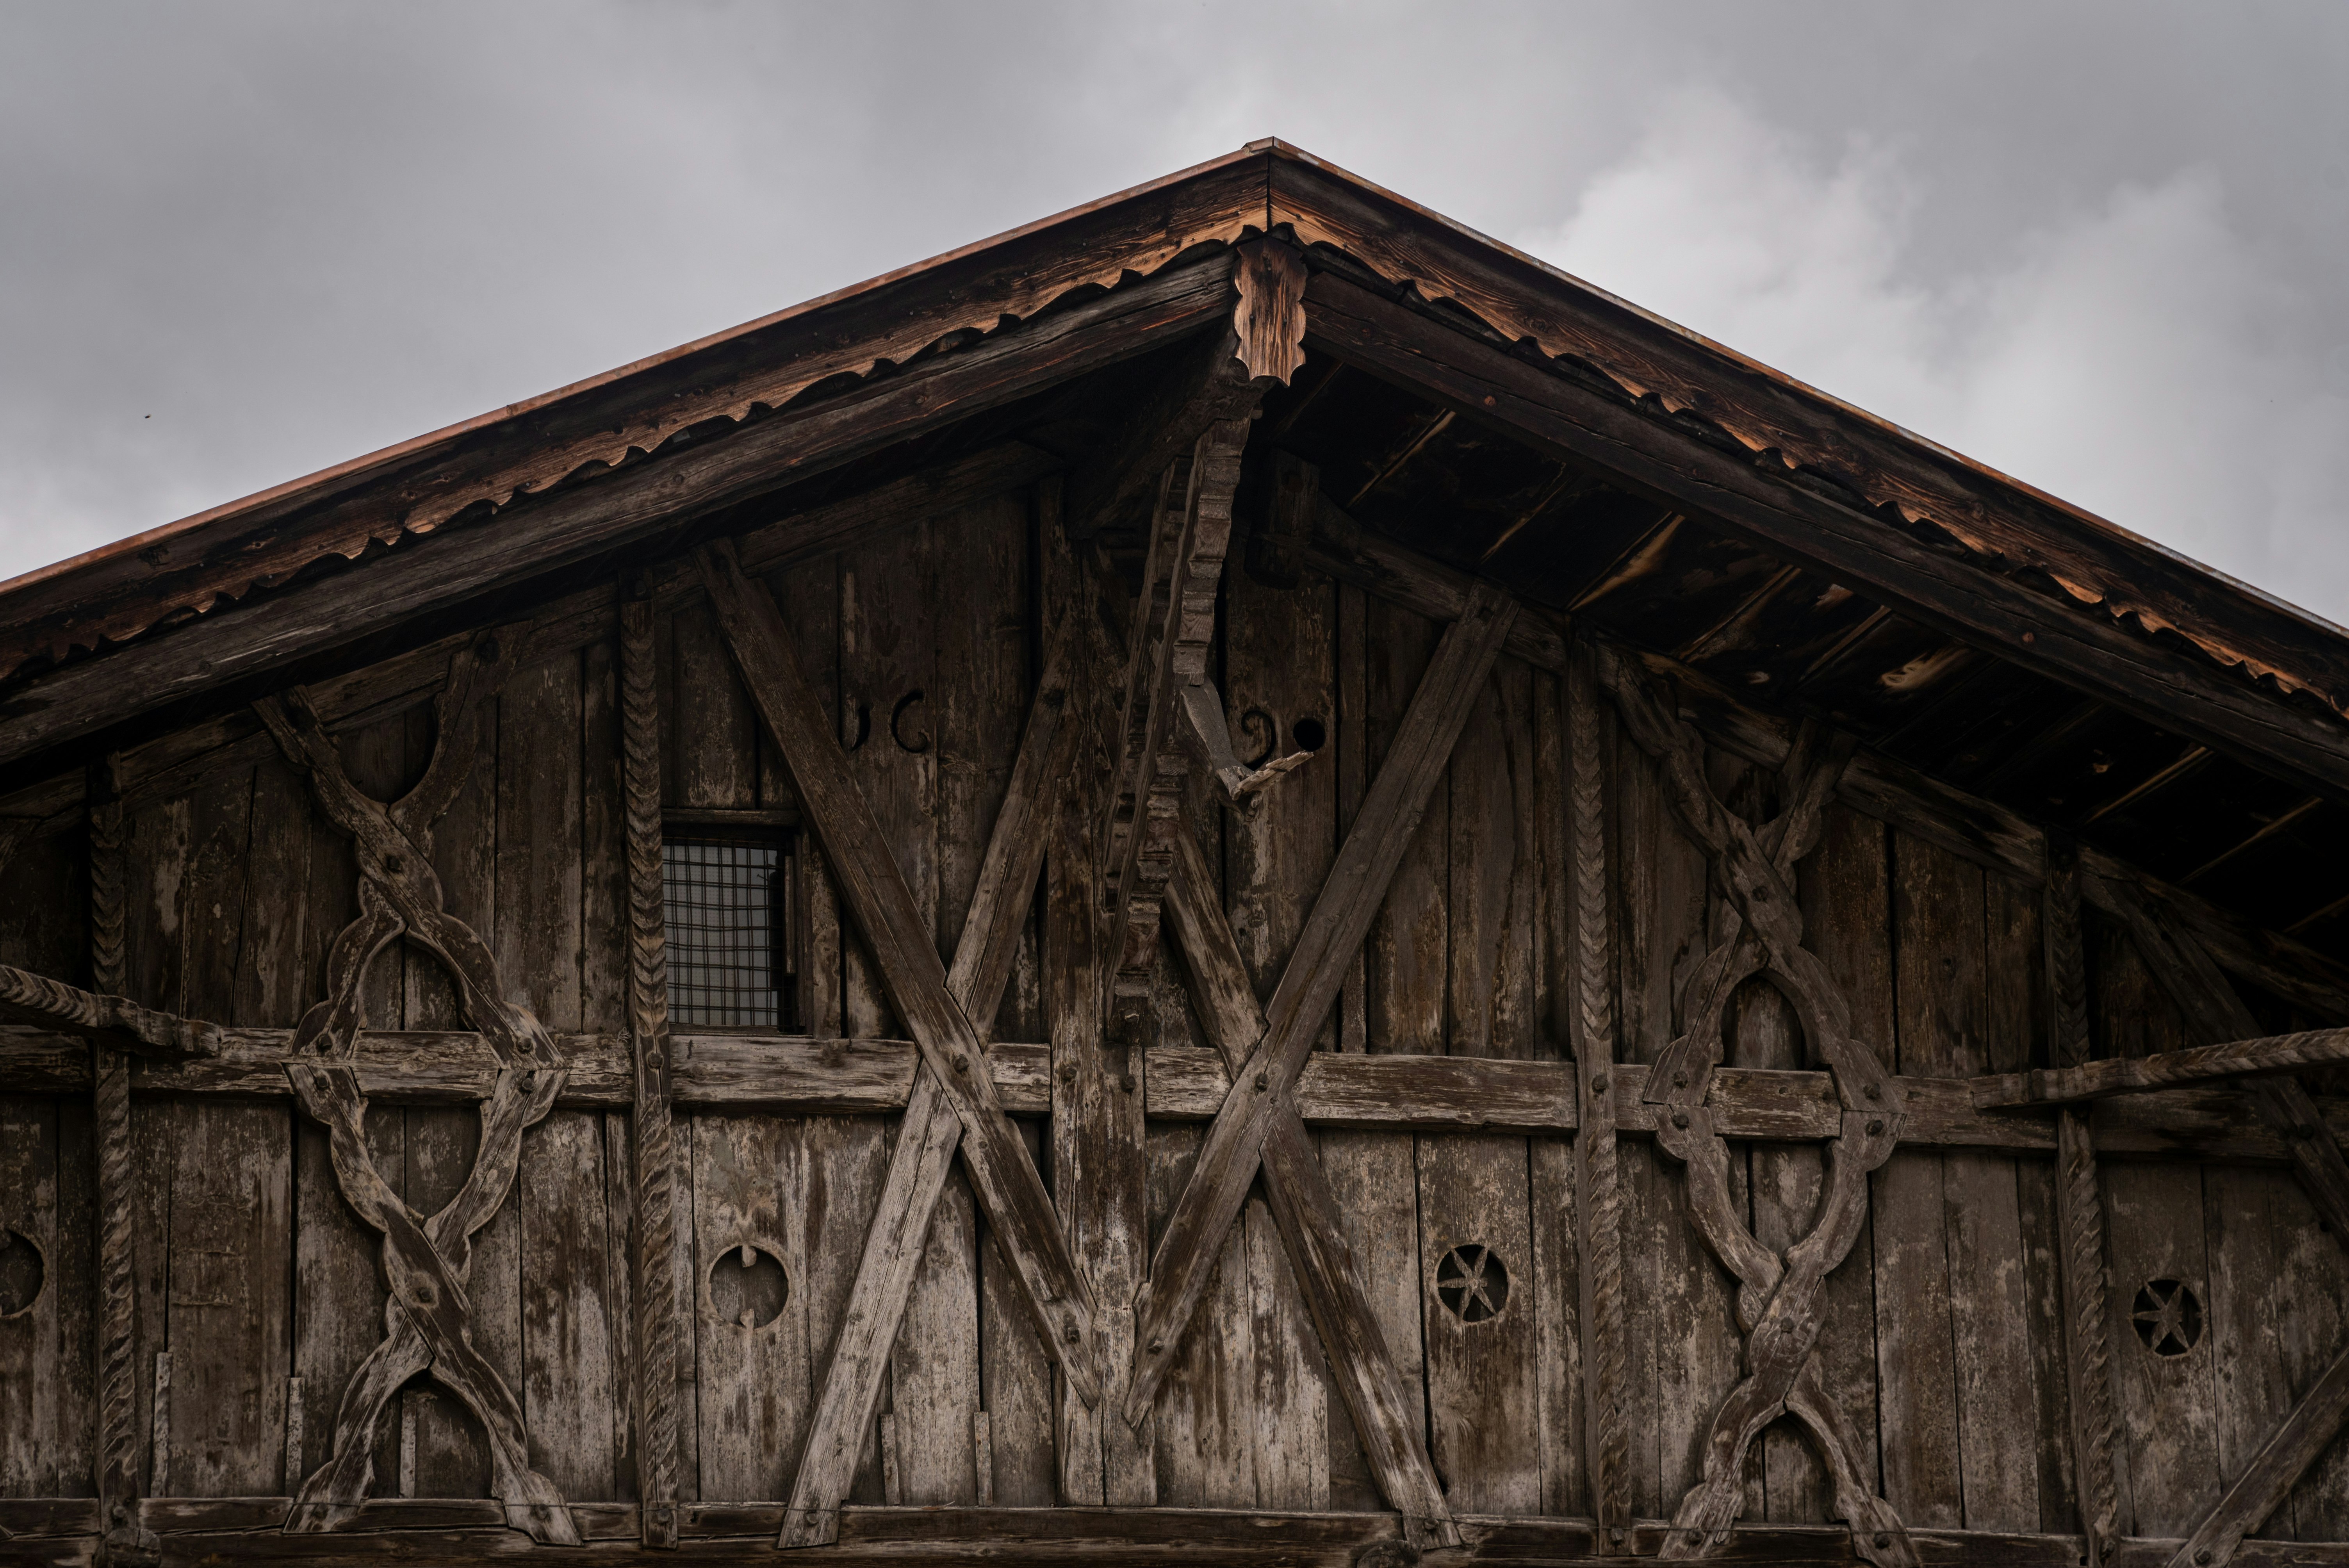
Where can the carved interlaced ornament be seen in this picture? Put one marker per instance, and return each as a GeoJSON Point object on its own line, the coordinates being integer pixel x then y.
{"type": "Point", "coordinates": [1778, 1299]}
{"type": "Point", "coordinates": [428, 1322]}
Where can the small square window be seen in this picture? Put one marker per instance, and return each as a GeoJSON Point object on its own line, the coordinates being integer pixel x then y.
{"type": "Point", "coordinates": [729, 922]}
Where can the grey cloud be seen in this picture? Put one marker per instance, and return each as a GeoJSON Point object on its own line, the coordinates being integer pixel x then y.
{"type": "Point", "coordinates": [291, 234]}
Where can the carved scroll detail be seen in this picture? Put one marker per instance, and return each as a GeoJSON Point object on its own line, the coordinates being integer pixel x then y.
{"type": "Point", "coordinates": [428, 1262]}
{"type": "Point", "coordinates": [1778, 1300]}
{"type": "Point", "coordinates": [1270, 320]}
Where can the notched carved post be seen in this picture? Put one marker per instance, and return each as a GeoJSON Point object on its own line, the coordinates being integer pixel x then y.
{"type": "Point", "coordinates": [1760, 933]}
{"type": "Point", "coordinates": [1597, 1183]}
{"type": "Point", "coordinates": [126, 1544]}
{"type": "Point", "coordinates": [654, 1140]}
{"type": "Point", "coordinates": [427, 1261]}
{"type": "Point", "coordinates": [2079, 1213]}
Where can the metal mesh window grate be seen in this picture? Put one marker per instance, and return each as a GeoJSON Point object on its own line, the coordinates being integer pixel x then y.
{"type": "Point", "coordinates": [728, 963]}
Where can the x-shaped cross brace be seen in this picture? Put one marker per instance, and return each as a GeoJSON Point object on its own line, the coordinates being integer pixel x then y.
{"type": "Point", "coordinates": [953, 1107]}
{"type": "Point", "coordinates": [428, 1262]}
{"type": "Point", "coordinates": [1778, 1300]}
{"type": "Point", "coordinates": [1265, 1049]}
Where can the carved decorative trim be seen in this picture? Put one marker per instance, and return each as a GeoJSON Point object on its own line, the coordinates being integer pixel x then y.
{"type": "Point", "coordinates": [427, 1261]}
{"type": "Point", "coordinates": [1598, 1189]}
{"type": "Point", "coordinates": [1778, 1299]}
{"type": "Point", "coordinates": [654, 1142]}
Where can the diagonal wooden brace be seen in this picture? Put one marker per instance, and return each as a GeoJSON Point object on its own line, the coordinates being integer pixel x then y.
{"type": "Point", "coordinates": [115, 1022]}
{"type": "Point", "coordinates": [1341, 918]}
{"type": "Point", "coordinates": [1304, 1212]}
{"type": "Point", "coordinates": [952, 1108]}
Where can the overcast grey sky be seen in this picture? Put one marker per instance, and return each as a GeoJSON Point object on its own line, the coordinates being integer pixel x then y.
{"type": "Point", "coordinates": [2099, 246]}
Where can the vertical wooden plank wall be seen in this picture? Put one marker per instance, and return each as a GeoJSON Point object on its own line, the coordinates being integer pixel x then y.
{"type": "Point", "coordinates": [1944, 1328]}
{"type": "Point", "coordinates": [48, 1219]}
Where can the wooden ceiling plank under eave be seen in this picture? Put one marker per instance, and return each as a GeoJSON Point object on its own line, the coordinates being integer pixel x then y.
{"type": "Point", "coordinates": [1563, 417]}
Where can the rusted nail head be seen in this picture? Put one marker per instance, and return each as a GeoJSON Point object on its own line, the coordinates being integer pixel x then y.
{"type": "Point", "coordinates": [1883, 1539]}
{"type": "Point", "coordinates": [2203, 1555]}
{"type": "Point", "coordinates": [1599, 1084]}
{"type": "Point", "coordinates": [1262, 1082]}
{"type": "Point", "coordinates": [1070, 1334]}
{"type": "Point", "coordinates": [488, 650]}
{"type": "Point", "coordinates": [1874, 1092]}
{"type": "Point", "coordinates": [962, 1064]}
{"type": "Point", "coordinates": [394, 864]}
{"type": "Point", "coordinates": [1157, 1346]}
{"type": "Point", "coordinates": [1875, 1127]}
{"type": "Point", "coordinates": [1680, 1081]}
{"type": "Point", "coordinates": [1126, 1083]}
{"type": "Point", "coordinates": [1680, 1119]}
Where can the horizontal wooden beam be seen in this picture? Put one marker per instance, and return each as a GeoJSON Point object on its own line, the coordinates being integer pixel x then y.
{"type": "Point", "coordinates": [62, 1530]}
{"type": "Point", "coordinates": [2164, 1070]}
{"type": "Point", "coordinates": [116, 1022]}
{"type": "Point", "coordinates": [1393, 1093]}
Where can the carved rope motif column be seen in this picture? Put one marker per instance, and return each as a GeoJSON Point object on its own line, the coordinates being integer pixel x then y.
{"type": "Point", "coordinates": [428, 1260]}
{"type": "Point", "coordinates": [1778, 1299]}
{"type": "Point", "coordinates": [654, 1140]}
{"type": "Point", "coordinates": [127, 1541]}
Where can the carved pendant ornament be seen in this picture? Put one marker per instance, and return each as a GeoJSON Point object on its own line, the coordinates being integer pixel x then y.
{"type": "Point", "coordinates": [426, 1260]}
{"type": "Point", "coordinates": [1778, 1298]}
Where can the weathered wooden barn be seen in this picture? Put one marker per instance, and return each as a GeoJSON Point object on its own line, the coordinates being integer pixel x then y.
{"type": "Point", "coordinates": [1238, 878]}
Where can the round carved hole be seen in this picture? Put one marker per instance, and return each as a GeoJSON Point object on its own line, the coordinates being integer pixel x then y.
{"type": "Point", "coordinates": [747, 1285]}
{"type": "Point", "coordinates": [22, 1272]}
{"type": "Point", "coordinates": [1472, 1283]}
{"type": "Point", "coordinates": [2168, 1316]}
{"type": "Point", "coordinates": [1310, 734]}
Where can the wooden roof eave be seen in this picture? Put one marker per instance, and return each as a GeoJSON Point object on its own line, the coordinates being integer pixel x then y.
{"type": "Point", "coordinates": [1770, 440]}
{"type": "Point", "coordinates": [119, 591]}
{"type": "Point", "coordinates": [1767, 503]}
{"type": "Point", "coordinates": [539, 534]}
{"type": "Point", "coordinates": [1770, 414]}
